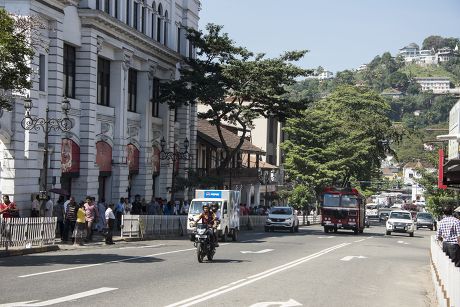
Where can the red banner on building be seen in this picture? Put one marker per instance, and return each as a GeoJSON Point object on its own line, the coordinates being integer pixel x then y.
{"type": "Point", "coordinates": [70, 158]}
{"type": "Point", "coordinates": [441, 184]}
{"type": "Point", "coordinates": [156, 161]}
{"type": "Point", "coordinates": [104, 157]}
{"type": "Point", "coordinates": [133, 159]}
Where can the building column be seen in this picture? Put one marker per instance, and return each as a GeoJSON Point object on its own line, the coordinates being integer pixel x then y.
{"type": "Point", "coordinates": [86, 92]}
{"type": "Point", "coordinates": [143, 181]}
{"type": "Point", "coordinates": [120, 170]}
{"type": "Point", "coordinates": [257, 194]}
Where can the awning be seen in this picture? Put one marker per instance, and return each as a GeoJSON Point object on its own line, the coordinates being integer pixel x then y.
{"type": "Point", "coordinates": [133, 159]}
{"type": "Point", "coordinates": [104, 158]}
{"type": "Point", "coordinates": [70, 158]}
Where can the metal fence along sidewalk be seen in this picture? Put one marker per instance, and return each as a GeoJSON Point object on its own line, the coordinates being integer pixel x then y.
{"type": "Point", "coordinates": [27, 232]}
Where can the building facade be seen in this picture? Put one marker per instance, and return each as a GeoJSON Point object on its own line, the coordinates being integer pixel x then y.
{"type": "Point", "coordinates": [434, 84]}
{"type": "Point", "coordinates": [109, 59]}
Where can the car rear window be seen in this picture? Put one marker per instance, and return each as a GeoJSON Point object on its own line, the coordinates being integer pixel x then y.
{"type": "Point", "coordinates": [424, 216]}
{"type": "Point", "coordinates": [284, 211]}
{"type": "Point", "coordinates": [400, 215]}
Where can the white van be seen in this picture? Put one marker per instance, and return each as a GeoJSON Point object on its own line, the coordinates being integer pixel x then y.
{"type": "Point", "coordinates": [228, 202]}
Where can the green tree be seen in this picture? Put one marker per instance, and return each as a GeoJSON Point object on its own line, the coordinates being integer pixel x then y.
{"type": "Point", "coordinates": [437, 42]}
{"type": "Point", "coordinates": [236, 85]}
{"type": "Point", "coordinates": [338, 138]}
{"type": "Point", "coordinates": [435, 198]}
{"type": "Point", "coordinates": [15, 53]}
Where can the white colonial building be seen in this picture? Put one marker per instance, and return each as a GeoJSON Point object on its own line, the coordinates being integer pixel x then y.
{"type": "Point", "coordinates": [434, 84]}
{"type": "Point", "coordinates": [109, 58]}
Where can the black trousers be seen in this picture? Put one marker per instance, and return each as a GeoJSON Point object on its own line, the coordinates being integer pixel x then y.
{"type": "Point", "coordinates": [110, 226]}
{"type": "Point", "coordinates": [68, 225]}
{"type": "Point", "coordinates": [453, 251]}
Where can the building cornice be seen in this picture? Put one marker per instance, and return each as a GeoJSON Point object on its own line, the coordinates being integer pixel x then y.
{"type": "Point", "coordinates": [115, 28]}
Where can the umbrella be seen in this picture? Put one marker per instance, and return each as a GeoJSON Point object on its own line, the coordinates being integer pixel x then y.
{"type": "Point", "coordinates": [59, 191]}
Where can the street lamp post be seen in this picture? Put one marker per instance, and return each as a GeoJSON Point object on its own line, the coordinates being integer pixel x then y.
{"type": "Point", "coordinates": [30, 122]}
{"type": "Point", "coordinates": [174, 156]}
{"type": "Point", "coordinates": [264, 178]}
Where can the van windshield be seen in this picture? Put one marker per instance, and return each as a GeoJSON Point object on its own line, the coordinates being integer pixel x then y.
{"type": "Point", "coordinates": [196, 207]}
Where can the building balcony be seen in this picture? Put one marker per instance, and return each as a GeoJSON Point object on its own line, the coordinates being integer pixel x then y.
{"type": "Point", "coordinates": [235, 175]}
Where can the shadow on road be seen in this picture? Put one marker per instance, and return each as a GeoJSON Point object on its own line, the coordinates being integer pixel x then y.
{"type": "Point", "coordinates": [227, 261]}
{"type": "Point", "coordinates": [82, 259]}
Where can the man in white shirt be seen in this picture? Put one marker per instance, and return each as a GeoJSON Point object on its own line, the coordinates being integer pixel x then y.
{"type": "Point", "coordinates": [110, 223]}
{"type": "Point", "coordinates": [48, 208]}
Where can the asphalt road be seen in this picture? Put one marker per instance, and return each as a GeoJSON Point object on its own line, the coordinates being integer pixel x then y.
{"type": "Point", "coordinates": [308, 268]}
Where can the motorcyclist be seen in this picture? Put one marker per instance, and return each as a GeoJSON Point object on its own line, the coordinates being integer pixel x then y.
{"type": "Point", "coordinates": [215, 210]}
{"type": "Point", "coordinates": [209, 218]}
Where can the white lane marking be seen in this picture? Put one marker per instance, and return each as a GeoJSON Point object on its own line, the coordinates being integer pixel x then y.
{"type": "Point", "coordinates": [290, 303]}
{"type": "Point", "coordinates": [348, 258]}
{"type": "Point", "coordinates": [17, 304]}
{"type": "Point", "coordinates": [329, 237]}
{"type": "Point", "coordinates": [258, 252]}
{"type": "Point", "coordinates": [108, 262]}
{"type": "Point", "coordinates": [145, 246]}
{"type": "Point", "coordinates": [251, 279]}
{"type": "Point", "coordinates": [64, 298]}
{"type": "Point", "coordinates": [360, 240]}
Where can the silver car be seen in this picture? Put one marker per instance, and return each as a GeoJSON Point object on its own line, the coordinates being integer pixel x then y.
{"type": "Point", "coordinates": [282, 218]}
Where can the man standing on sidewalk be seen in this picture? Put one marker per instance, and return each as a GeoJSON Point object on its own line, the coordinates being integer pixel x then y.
{"type": "Point", "coordinates": [70, 218]}
{"type": "Point", "coordinates": [91, 217]}
{"type": "Point", "coordinates": [110, 223]}
{"type": "Point", "coordinates": [449, 233]}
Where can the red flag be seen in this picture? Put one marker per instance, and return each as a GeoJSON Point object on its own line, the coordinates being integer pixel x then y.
{"type": "Point", "coordinates": [441, 185]}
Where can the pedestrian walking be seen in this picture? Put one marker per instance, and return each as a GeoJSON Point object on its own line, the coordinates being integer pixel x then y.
{"type": "Point", "coordinates": [8, 208]}
{"type": "Point", "coordinates": [35, 209]}
{"type": "Point", "coordinates": [70, 218]}
{"type": "Point", "coordinates": [90, 217]}
{"type": "Point", "coordinates": [119, 211]}
{"type": "Point", "coordinates": [136, 206]}
{"type": "Point", "coordinates": [58, 212]}
{"type": "Point", "coordinates": [128, 206]}
{"type": "Point", "coordinates": [80, 227]}
{"type": "Point", "coordinates": [48, 207]}
{"type": "Point", "coordinates": [110, 223]}
{"type": "Point", "coordinates": [449, 233]}
{"type": "Point", "coordinates": [101, 207]}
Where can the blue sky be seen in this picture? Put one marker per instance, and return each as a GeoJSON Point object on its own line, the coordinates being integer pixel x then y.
{"type": "Point", "coordinates": [340, 34]}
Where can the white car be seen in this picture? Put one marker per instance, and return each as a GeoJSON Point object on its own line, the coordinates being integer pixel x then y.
{"type": "Point", "coordinates": [282, 218]}
{"type": "Point", "coordinates": [400, 221]}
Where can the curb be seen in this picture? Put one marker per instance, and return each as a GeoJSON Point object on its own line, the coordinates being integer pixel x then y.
{"type": "Point", "coordinates": [26, 251]}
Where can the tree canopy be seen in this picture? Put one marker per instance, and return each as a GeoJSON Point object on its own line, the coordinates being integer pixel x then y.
{"type": "Point", "coordinates": [15, 53]}
{"type": "Point", "coordinates": [236, 85]}
{"type": "Point", "coordinates": [342, 136]}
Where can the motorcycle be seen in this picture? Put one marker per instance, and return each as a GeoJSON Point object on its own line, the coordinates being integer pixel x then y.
{"type": "Point", "coordinates": [203, 242]}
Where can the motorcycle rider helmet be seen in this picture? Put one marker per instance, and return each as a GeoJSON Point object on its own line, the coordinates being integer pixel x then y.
{"type": "Point", "coordinates": [205, 206]}
{"type": "Point", "coordinates": [215, 207]}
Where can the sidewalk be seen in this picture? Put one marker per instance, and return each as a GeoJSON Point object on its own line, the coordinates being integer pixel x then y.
{"type": "Point", "coordinates": [98, 240]}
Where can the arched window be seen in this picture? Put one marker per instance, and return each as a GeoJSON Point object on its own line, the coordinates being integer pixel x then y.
{"type": "Point", "coordinates": [160, 13]}
{"type": "Point", "coordinates": [165, 34]}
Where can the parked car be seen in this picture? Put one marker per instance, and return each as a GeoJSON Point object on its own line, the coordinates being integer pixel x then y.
{"type": "Point", "coordinates": [282, 218]}
{"type": "Point", "coordinates": [400, 221]}
{"type": "Point", "coordinates": [425, 219]}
